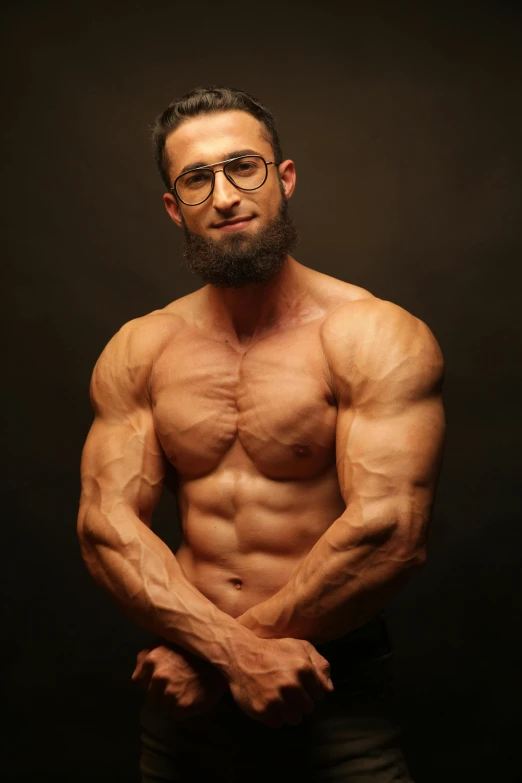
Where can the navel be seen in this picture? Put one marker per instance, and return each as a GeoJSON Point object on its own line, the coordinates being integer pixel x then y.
{"type": "Point", "coordinates": [238, 583]}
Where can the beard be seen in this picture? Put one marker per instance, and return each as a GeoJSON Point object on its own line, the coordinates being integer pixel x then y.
{"type": "Point", "coordinates": [240, 259]}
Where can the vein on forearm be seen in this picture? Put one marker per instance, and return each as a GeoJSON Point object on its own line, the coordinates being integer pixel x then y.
{"type": "Point", "coordinates": [346, 578]}
{"type": "Point", "coordinates": [144, 578]}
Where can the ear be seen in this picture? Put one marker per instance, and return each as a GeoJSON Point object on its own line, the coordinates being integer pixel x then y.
{"type": "Point", "coordinates": [172, 207]}
{"type": "Point", "coordinates": [287, 174]}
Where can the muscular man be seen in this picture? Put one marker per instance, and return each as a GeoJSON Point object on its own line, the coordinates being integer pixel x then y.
{"type": "Point", "coordinates": [301, 419]}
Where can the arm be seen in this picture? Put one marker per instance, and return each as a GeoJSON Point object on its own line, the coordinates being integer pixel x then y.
{"type": "Point", "coordinates": [387, 372]}
{"type": "Point", "coordinates": [122, 475]}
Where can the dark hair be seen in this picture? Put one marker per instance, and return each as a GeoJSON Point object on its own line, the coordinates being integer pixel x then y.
{"type": "Point", "coordinates": [209, 100]}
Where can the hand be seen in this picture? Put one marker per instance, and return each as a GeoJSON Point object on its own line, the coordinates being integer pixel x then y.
{"type": "Point", "coordinates": [178, 681]}
{"type": "Point", "coordinates": [277, 681]}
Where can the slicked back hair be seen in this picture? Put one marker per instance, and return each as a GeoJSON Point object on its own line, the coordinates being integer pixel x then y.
{"type": "Point", "coordinates": [209, 100]}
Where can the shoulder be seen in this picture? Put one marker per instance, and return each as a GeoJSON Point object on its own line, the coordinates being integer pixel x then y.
{"type": "Point", "coordinates": [374, 338]}
{"type": "Point", "coordinates": [125, 364]}
{"type": "Point", "coordinates": [139, 340]}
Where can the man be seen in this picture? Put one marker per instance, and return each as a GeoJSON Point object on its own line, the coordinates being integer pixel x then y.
{"type": "Point", "coordinates": [301, 419]}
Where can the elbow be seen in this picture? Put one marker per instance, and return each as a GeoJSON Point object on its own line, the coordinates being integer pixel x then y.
{"type": "Point", "coordinates": [88, 532]}
{"type": "Point", "coordinates": [91, 544]}
{"type": "Point", "coordinates": [418, 559]}
{"type": "Point", "coordinates": [412, 561]}
{"type": "Point", "coordinates": [408, 553]}
{"type": "Point", "coordinates": [84, 523]}
{"type": "Point", "coordinates": [408, 541]}
{"type": "Point", "coordinates": [81, 524]}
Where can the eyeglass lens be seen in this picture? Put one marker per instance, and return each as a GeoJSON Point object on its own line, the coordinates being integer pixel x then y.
{"type": "Point", "coordinates": [246, 173]}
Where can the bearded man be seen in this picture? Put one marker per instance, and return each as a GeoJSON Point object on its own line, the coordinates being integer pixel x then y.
{"type": "Point", "coordinates": [302, 421]}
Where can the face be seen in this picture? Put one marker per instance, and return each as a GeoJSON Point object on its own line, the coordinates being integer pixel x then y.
{"type": "Point", "coordinates": [235, 237]}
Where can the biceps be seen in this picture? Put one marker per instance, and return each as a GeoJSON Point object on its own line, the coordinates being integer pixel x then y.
{"type": "Point", "coordinates": [122, 463]}
{"type": "Point", "coordinates": [391, 456]}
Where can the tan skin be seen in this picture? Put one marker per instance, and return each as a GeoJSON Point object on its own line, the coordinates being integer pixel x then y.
{"type": "Point", "coordinates": [303, 421]}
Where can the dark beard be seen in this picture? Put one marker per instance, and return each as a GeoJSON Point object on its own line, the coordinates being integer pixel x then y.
{"type": "Point", "coordinates": [238, 259]}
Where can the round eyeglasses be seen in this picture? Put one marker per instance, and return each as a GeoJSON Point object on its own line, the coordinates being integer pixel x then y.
{"type": "Point", "coordinates": [248, 172]}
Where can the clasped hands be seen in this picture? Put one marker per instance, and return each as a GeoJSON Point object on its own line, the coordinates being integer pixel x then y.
{"type": "Point", "coordinates": [275, 683]}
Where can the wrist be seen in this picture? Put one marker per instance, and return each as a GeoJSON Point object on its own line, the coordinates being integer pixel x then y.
{"type": "Point", "coordinates": [251, 621]}
{"type": "Point", "coordinates": [234, 645]}
{"type": "Point", "coordinates": [268, 620]}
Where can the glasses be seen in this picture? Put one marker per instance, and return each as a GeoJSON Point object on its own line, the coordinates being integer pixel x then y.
{"type": "Point", "coordinates": [247, 172]}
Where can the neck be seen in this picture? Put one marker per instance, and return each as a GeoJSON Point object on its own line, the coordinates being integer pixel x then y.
{"type": "Point", "coordinates": [251, 310]}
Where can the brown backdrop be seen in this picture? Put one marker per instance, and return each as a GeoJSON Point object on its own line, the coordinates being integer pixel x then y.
{"type": "Point", "coordinates": [405, 126]}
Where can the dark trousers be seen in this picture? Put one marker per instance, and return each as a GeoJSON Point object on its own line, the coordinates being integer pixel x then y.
{"type": "Point", "coordinates": [352, 734]}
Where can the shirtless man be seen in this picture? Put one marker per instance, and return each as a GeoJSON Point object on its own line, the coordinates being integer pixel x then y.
{"type": "Point", "coordinates": [302, 421]}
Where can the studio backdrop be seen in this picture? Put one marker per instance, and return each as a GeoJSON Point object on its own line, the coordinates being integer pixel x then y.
{"type": "Point", "coordinates": [404, 123]}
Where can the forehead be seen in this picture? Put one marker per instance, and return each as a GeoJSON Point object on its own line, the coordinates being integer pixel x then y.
{"type": "Point", "coordinates": [212, 137]}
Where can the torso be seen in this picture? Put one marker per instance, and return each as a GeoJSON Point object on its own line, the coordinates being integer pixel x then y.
{"type": "Point", "coordinates": [251, 435]}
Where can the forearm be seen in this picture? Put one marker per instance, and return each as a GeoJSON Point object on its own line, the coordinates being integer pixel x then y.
{"type": "Point", "coordinates": [144, 578]}
{"type": "Point", "coordinates": [344, 581]}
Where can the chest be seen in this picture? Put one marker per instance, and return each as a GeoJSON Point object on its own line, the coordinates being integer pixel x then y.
{"type": "Point", "coordinates": [271, 406]}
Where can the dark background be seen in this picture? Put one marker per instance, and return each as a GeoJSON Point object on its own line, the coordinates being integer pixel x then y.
{"type": "Point", "coordinates": [404, 122]}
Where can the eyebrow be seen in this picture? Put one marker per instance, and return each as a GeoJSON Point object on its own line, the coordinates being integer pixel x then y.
{"type": "Point", "coordinates": [233, 154]}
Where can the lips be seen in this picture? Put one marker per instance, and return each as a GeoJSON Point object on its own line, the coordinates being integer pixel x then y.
{"type": "Point", "coordinates": [234, 221]}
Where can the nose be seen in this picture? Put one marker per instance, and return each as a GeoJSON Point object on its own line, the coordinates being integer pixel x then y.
{"type": "Point", "coordinates": [225, 195]}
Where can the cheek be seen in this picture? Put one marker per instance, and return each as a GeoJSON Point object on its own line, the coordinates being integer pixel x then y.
{"type": "Point", "coordinates": [193, 218]}
{"type": "Point", "coordinates": [274, 203]}
{"type": "Point", "coordinates": [267, 202]}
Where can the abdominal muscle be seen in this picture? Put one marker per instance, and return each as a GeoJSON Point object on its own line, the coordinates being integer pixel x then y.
{"type": "Point", "coordinates": [239, 557]}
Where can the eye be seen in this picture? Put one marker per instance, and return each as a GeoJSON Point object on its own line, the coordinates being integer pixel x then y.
{"type": "Point", "coordinates": [245, 167]}
{"type": "Point", "coordinates": [196, 179]}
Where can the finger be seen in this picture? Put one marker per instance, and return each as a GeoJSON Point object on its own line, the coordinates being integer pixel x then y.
{"type": "Point", "coordinates": [315, 683]}
{"type": "Point", "coordinates": [322, 667]}
{"type": "Point", "coordinates": [138, 670]}
{"type": "Point", "coordinates": [156, 690]}
{"type": "Point", "coordinates": [143, 654]}
{"type": "Point", "coordinates": [140, 660]}
{"type": "Point", "coordinates": [312, 685]}
{"type": "Point", "coordinates": [143, 682]}
{"type": "Point", "coordinates": [143, 674]}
